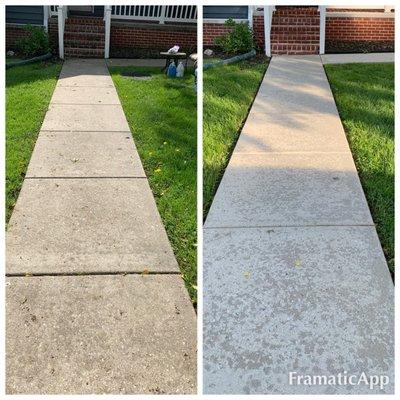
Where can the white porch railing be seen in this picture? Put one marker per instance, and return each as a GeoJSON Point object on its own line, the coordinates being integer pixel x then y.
{"type": "Point", "coordinates": [158, 14]}
{"type": "Point", "coordinates": [53, 11]}
{"type": "Point", "coordinates": [62, 12]}
{"type": "Point", "coordinates": [380, 7]}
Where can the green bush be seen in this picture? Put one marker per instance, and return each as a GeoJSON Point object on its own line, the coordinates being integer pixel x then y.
{"type": "Point", "coordinates": [34, 43]}
{"type": "Point", "coordinates": [238, 40]}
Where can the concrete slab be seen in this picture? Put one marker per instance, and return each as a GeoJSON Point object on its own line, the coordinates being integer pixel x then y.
{"type": "Point", "coordinates": [285, 189]}
{"type": "Point", "coordinates": [85, 72]}
{"type": "Point", "coordinates": [300, 70]}
{"type": "Point", "coordinates": [357, 58]}
{"type": "Point", "coordinates": [85, 154]}
{"type": "Point", "coordinates": [69, 117]}
{"type": "Point", "coordinates": [291, 132]}
{"type": "Point", "coordinates": [63, 226]}
{"type": "Point", "coordinates": [100, 334]}
{"type": "Point", "coordinates": [85, 95]}
{"type": "Point", "coordinates": [275, 98]}
{"type": "Point", "coordinates": [313, 301]}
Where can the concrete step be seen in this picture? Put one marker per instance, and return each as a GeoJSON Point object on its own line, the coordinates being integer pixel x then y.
{"type": "Point", "coordinates": [83, 52]}
{"type": "Point", "coordinates": [295, 20]}
{"type": "Point", "coordinates": [85, 21]}
{"type": "Point", "coordinates": [294, 48]}
{"type": "Point", "coordinates": [85, 44]}
{"type": "Point", "coordinates": [296, 9]}
{"type": "Point", "coordinates": [309, 29]}
{"type": "Point", "coordinates": [93, 36]}
{"type": "Point", "coordinates": [297, 38]}
{"type": "Point", "coordinates": [84, 28]}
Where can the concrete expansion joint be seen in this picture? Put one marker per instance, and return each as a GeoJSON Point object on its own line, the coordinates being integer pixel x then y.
{"type": "Point", "coordinates": [287, 226]}
{"type": "Point", "coordinates": [86, 177]}
{"type": "Point", "coordinates": [96, 273]}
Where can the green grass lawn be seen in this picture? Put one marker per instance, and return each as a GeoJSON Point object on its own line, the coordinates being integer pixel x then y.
{"type": "Point", "coordinates": [28, 93]}
{"type": "Point", "coordinates": [364, 94]}
{"type": "Point", "coordinates": [228, 94]}
{"type": "Point", "coordinates": [163, 119]}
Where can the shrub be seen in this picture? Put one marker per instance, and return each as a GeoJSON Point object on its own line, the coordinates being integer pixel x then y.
{"type": "Point", "coordinates": [238, 40]}
{"type": "Point", "coordinates": [34, 43]}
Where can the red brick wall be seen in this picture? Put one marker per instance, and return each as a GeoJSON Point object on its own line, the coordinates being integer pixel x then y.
{"type": "Point", "coordinates": [337, 29]}
{"type": "Point", "coordinates": [53, 33]}
{"type": "Point", "coordinates": [13, 34]}
{"type": "Point", "coordinates": [212, 31]}
{"type": "Point", "coordinates": [359, 29]}
{"type": "Point", "coordinates": [136, 36]}
{"type": "Point", "coordinates": [152, 37]}
{"type": "Point", "coordinates": [258, 30]}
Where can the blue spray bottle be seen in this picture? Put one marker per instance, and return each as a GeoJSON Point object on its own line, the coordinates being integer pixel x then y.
{"type": "Point", "coordinates": [171, 72]}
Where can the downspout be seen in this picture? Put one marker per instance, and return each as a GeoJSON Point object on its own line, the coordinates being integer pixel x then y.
{"type": "Point", "coordinates": [250, 16]}
{"type": "Point", "coordinates": [107, 26]}
{"type": "Point", "coordinates": [268, 11]}
{"type": "Point", "coordinates": [60, 20]}
{"type": "Point", "coordinates": [322, 20]}
{"type": "Point", "coordinates": [46, 18]}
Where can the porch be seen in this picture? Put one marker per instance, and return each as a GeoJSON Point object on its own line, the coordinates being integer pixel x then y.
{"type": "Point", "coordinates": [306, 29]}
{"type": "Point", "coordinates": [92, 31]}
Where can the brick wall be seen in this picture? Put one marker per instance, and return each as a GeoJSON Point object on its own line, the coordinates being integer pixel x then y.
{"type": "Point", "coordinates": [53, 33]}
{"type": "Point", "coordinates": [212, 31]}
{"type": "Point", "coordinates": [359, 29]}
{"type": "Point", "coordinates": [13, 34]}
{"type": "Point", "coordinates": [131, 38]}
{"type": "Point", "coordinates": [258, 30]}
{"type": "Point", "coordinates": [338, 29]}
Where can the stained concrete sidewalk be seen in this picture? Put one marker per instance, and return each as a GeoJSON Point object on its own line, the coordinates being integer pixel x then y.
{"type": "Point", "coordinates": [95, 301]}
{"type": "Point", "coordinates": [295, 279]}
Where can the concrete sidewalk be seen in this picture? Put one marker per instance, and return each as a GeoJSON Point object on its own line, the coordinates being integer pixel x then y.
{"type": "Point", "coordinates": [295, 279]}
{"type": "Point", "coordinates": [95, 301]}
{"type": "Point", "coordinates": [357, 58]}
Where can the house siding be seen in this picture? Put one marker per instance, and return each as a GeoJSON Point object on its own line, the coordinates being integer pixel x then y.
{"type": "Point", "coordinates": [24, 15]}
{"type": "Point", "coordinates": [225, 12]}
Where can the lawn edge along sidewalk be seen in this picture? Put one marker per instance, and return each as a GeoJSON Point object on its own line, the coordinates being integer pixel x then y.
{"type": "Point", "coordinates": [295, 279]}
{"type": "Point", "coordinates": [95, 302]}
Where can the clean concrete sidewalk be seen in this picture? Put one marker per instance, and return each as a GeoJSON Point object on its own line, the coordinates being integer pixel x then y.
{"type": "Point", "coordinates": [95, 301]}
{"type": "Point", "coordinates": [357, 58]}
{"type": "Point", "coordinates": [295, 279]}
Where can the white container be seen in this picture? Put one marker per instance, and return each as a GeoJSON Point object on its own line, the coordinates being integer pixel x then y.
{"type": "Point", "coordinates": [180, 70]}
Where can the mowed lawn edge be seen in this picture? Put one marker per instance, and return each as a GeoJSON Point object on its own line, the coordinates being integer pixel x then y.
{"type": "Point", "coordinates": [162, 115]}
{"type": "Point", "coordinates": [28, 93]}
{"type": "Point", "coordinates": [229, 92]}
{"type": "Point", "coordinates": [364, 95]}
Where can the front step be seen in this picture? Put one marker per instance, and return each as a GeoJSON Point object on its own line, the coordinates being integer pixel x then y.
{"type": "Point", "coordinates": [80, 52]}
{"type": "Point", "coordinates": [294, 48]}
{"type": "Point", "coordinates": [295, 30]}
{"type": "Point", "coordinates": [84, 37]}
